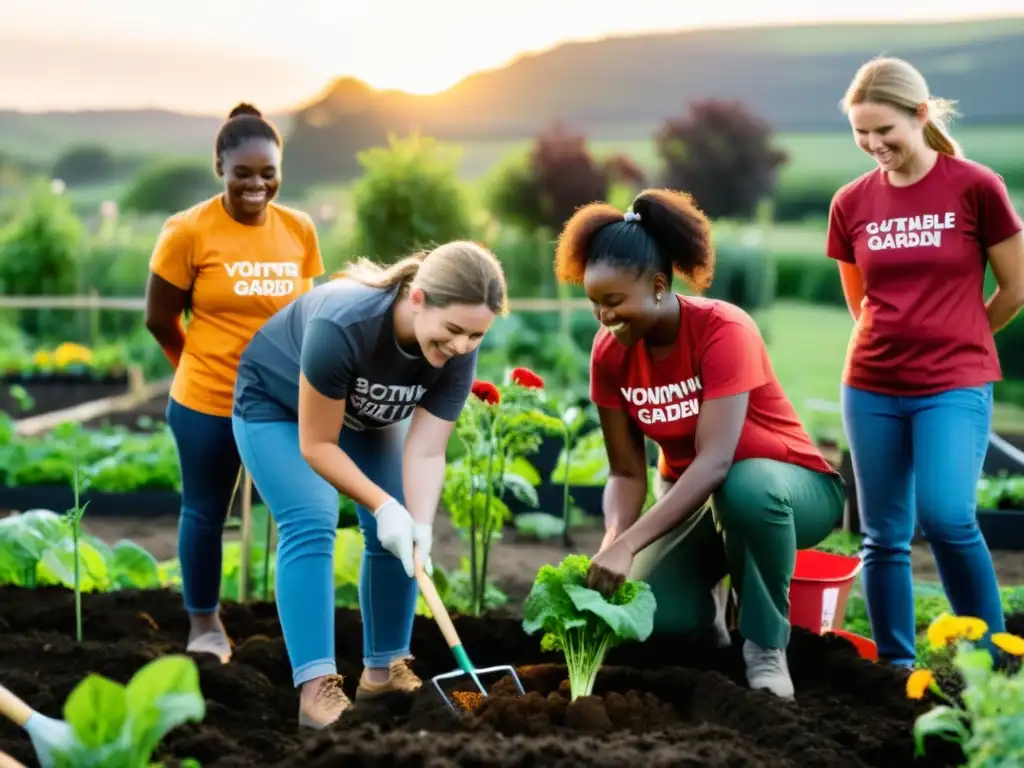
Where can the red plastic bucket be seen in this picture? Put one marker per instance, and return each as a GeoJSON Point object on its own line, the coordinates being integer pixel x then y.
{"type": "Point", "coordinates": [819, 589]}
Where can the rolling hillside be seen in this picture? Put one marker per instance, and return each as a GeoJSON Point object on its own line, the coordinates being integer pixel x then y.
{"type": "Point", "coordinates": [613, 89]}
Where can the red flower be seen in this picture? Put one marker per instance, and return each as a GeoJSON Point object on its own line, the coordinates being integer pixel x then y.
{"type": "Point", "coordinates": [524, 377]}
{"type": "Point", "coordinates": [486, 392]}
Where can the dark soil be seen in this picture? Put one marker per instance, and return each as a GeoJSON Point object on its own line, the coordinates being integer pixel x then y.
{"type": "Point", "coordinates": [665, 702]}
{"type": "Point", "coordinates": [56, 393]}
{"type": "Point", "coordinates": [146, 417]}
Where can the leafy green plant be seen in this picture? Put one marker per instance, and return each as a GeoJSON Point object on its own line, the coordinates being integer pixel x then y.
{"type": "Point", "coordinates": [985, 720]}
{"type": "Point", "coordinates": [120, 726]}
{"type": "Point", "coordinates": [582, 623]}
{"type": "Point", "coordinates": [496, 430]}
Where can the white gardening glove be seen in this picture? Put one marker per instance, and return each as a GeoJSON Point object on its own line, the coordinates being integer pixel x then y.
{"type": "Point", "coordinates": [396, 531]}
{"type": "Point", "coordinates": [423, 537]}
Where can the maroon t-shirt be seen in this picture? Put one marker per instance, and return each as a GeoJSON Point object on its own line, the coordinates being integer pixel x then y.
{"type": "Point", "coordinates": [921, 249]}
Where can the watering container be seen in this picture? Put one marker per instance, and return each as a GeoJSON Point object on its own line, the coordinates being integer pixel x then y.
{"type": "Point", "coordinates": [819, 589]}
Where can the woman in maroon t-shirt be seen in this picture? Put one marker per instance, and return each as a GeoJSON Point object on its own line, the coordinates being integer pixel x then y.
{"type": "Point", "coordinates": [912, 238]}
{"type": "Point", "coordinates": [693, 375]}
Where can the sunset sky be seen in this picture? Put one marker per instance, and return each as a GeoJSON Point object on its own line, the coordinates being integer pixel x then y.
{"type": "Point", "coordinates": [204, 55]}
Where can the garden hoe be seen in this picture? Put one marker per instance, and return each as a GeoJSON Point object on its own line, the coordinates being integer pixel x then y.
{"type": "Point", "coordinates": [46, 733]}
{"type": "Point", "coordinates": [444, 622]}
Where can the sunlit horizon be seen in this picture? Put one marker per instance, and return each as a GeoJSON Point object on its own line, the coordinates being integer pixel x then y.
{"type": "Point", "coordinates": [122, 54]}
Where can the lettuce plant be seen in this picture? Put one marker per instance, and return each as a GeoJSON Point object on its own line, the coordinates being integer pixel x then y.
{"type": "Point", "coordinates": [120, 726]}
{"type": "Point", "coordinates": [581, 622]}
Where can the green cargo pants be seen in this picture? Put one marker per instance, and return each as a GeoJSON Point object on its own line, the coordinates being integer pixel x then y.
{"type": "Point", "coordinates": [756, 521]}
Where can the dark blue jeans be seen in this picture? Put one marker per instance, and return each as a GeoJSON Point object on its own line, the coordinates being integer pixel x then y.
{"type": "Point", "coordinates": [918, 460]}
{"type": "Point", "coordinates": [209, 468]}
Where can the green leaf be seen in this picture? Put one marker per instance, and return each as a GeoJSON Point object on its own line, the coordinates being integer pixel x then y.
{"type": "Point", "coordinates": [163, 695]}
{"type": "Point", "coordinates": [631, 621]}
{"type": "Point", "coordinates": [945, 722]}
{"type": "Point", "coordinates": [97, 710]}
{"type": "Point", "coordinates": [521, 489]}
{"type": "Point", "coordinates": [134, 566]}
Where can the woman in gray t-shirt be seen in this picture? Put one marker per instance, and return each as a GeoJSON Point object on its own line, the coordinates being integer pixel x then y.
{"type": "Point", "coordinates": [323, 401]}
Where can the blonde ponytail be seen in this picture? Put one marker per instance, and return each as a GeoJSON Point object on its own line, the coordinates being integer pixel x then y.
{"type": "Point", "coordinates": [940, 111]}
{"type": "Point", "coordinates": [368, 272]}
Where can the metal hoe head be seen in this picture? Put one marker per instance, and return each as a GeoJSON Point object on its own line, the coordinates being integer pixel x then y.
{"type": "Point", "coordinates": [475, 675]}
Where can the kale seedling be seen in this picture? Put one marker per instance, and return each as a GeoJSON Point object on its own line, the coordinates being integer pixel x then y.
{"type": "Point", "coordinates": [581, 622]}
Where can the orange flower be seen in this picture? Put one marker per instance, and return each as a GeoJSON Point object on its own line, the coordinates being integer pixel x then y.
{"type": "Point", "coordinates": [919, 682]}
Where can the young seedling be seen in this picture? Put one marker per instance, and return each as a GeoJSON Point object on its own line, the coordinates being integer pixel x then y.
{"type": "Point", "coordinates": [74, 520]}
{"type": "Point", "coordinates": [581, 622]}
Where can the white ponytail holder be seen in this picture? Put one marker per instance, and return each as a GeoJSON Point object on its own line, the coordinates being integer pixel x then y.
{"type": "Point", "coordinates": [630, 216]}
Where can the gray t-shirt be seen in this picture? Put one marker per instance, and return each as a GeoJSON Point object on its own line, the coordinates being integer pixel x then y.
{"type": "Point", "coordinates": [341, 336]}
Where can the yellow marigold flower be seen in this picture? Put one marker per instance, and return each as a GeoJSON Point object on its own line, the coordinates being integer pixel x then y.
{"type": "Point", "coordinates": [68, 353]}
{"type": "Point", "coordinates": [1008, 642]}
{"type": "Point", "coordinates": [945, 629]}
{"type": "Point", "coordinates": [42, 357]}
{"type": "Point", "coordinates": [972, 628]}
{"type": "Point", "coordinates": [942, 630]}
{"type": "Point", "coordinates": [919, 682]}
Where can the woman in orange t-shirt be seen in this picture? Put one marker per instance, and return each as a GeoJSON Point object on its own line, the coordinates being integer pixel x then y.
{"type": "Point", "coordinates": [694, 376]}
{"type": "Point", "coordinates": [233, 261]}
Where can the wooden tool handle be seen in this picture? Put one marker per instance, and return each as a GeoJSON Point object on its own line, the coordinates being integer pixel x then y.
{"type": "Point", "coordinates": [444, 621]}
{"type": "Point", "coordinates": [13, 708]}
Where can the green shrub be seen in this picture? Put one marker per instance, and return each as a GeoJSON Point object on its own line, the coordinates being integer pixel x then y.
{"type": "Point", "coordinates": [166, 187]}
{"type": "Point", "coordinates": [410, 197]}
{"type": "Point", "coordinates": [744, 275]}
{"type": "Point", "coordinates": [808, 198]}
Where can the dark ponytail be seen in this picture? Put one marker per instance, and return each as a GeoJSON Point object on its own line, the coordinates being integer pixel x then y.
{"type": "Point", "coordinates": [665, 231]}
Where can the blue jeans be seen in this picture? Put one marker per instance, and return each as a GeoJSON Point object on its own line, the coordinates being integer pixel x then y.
{"type": "Point", "coordinates": [305, 508]}
{"type": "Point", "coordinates": [209, 468]}
{"type": "Point", "coordinates": [919, 459]}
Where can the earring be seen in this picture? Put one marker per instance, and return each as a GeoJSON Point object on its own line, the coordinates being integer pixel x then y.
{"type": "Point", "coordinates": [657, 297]}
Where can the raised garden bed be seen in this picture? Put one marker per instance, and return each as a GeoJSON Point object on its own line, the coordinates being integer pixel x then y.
{"type": "Point", "coordinates": [23, 396]}
{"type": "Point", "coordinates": [659, 703]}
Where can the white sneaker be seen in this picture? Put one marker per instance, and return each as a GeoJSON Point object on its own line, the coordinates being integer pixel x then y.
{"type": "Point", "coordinates": [767, 668]}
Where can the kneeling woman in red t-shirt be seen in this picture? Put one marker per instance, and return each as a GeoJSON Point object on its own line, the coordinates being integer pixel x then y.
{"type": "Point", "coordinates": [693, 375]}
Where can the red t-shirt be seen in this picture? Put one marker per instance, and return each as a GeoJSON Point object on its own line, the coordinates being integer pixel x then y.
{"type": "Point", "coordinates": [719, 353]}
{"type": "Point", "coordinates": [921, 250]}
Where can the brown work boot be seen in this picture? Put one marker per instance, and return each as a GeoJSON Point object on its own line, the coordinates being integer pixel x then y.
{"type": "Point", "coordinates": [328, 704]}
{"type": "Point", "coordinates": [400, 678]}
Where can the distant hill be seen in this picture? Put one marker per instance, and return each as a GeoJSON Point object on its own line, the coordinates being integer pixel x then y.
{"type": "Point", "coordinates": [615, 88]}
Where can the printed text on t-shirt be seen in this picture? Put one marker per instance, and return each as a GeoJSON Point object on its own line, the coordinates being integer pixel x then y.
{"type": "Point", "coordinates": [909, 231]}
{"type": "Point", "coordinates": [386, 403]}
{"type": "Point", "coordinates": [666, 402]}
{"type": "Point", "coordinates": [263, 278]}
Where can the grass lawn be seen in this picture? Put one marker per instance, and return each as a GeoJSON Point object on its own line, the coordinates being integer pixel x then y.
{"type": "Point", "coordinates": [807, 344]}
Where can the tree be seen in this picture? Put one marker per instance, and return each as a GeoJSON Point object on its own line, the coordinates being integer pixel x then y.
{"type": "Point", "coordinates": [409, 197]}
{"type": "Point", "coordinates": [555, 177]}
{"type": "Point", "coordinates": [85, 164]}
{"type": "Point", "coordinates": [721, 154]}
{"type": "Point", "coordinates": [169, 186]}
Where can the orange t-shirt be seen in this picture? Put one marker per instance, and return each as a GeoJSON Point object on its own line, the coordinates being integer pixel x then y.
{"type": "Point", "coordinates": [239, 276]}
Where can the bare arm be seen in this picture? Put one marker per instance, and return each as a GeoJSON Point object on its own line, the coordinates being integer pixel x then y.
{"type": "Point", "coordinates": [320, 423]}
{"type": "Point", "coordinates": [165, 305]}
{"type": "Point", "coordinates": [1007, 260]}
{"type": "Point", "coordinates": [718, 432]}
{"type": "Point", "coordinates": [626, 491]}
{"type": "Point", "coordinates": [423, 464]}
{"type": "Point", "coordinates": [853, 287]}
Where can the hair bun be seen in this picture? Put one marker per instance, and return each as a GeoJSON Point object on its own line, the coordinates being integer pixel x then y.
{"type": "Point", "coordinates": [244, 108]}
